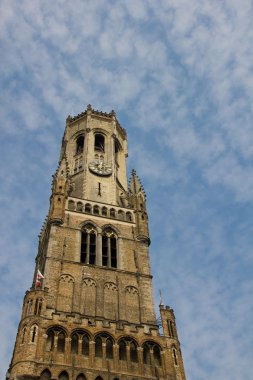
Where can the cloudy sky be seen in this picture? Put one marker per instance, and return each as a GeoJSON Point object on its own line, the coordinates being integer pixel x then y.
{"type": "Point", "coordinates": [179, 75]}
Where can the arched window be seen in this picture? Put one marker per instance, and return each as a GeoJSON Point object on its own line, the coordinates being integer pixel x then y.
{"type": "Point", "coordinates": [63, 376]}
{"type": "Point", "coordinates": [88, 245]}
{"type": "Point", "coordinates": [96, 210]}
{"type": "Point", "coordinates": [123, 343]}
{"type": "Point", "coordinates": [133, 352]}
{"type": "Point", "coordinates": [29, 307]}
{"type": "Point", "coordinates": [85, 345]}
{"type": "Point", "coordinates": [23, 335]}
{"type": "Point", "coordinates": [50, 340]}
{"type": "Point", "coordinates": [129, 216]}
{"type": "Point", "coordinates": [170, 328]}
{"type": "Point", "coordinates": [45, 375]}
{"type": "Point", "coordinates": [122, 350]}
{"type": "Point", "coordinates": [61, 342]}
{"type": "Point", "coordinates": [146, 354]}
{"type": "Point", "coordinates": [81, 377]}
{"type": "Point", "coordinates": [79, 207]}
{"type": "Point", "coordinates": [74, 344]}
{"type": "Point", "coordinates": [104, 211]}
{"type": "Point", "coordinates": [117, 148]}
{"type": "Point", "coordinates": [121, 215]}
{"type": "Point", "coordinates": [109, 249]}
{"type": "Point", "coordinates": [38, 306]}
{"type": "Point", "coordinates": [151, 348]}
{"type": "Point", "coordinates": [157, 355]}
{"type": "Point", "coordinates": [71, 205]}
{"type": "Point", "coordinates": [99, 378]}
{"type": "Point", "coordinates": [112, 213]}
{"type": "Point", "coordinates": [33, 333]}
{"type": "Point", "coordinates": [174, 355]}
{"type": "Point", "coordinates": [99, 144]}
{"type": "Point", "coordinates": [55, 334]}
{"type": "Point", "coordinates": [98, 347]}
{"type": "Point", "coordinates": [79, 144]}
{"type": "Point", "coordinates": [87, 208]}
{"type": "Point", "coordinates": [109, 348]}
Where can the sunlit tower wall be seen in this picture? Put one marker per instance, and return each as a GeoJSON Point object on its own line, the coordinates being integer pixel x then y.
{"type": "Point", "coordinates": [90, 313]}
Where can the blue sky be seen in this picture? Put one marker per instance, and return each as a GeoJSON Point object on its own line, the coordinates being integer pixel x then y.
{"type": "Point", "coordinates": [179, 76]}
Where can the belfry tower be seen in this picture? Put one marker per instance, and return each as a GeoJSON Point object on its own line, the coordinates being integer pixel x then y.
{"type": "Point", "coordinates": [89, 314]}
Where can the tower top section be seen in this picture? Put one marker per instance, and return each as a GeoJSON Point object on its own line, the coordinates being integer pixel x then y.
{"type": "Point", "coordinates": [91, 112]}
{"type": "Point", "coordinates": [94, 149]}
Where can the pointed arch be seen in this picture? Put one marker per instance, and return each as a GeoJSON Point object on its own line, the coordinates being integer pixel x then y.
{"type": "Point", "coordinates": [88, 244]}
{"type": "Point", "coordinates": [65, 293]}
{"type": "Point", "coordinates": [110, 300]}
{"type": "Point", "coordinates": [88, 296]}
{"type": "Point", "coordinates": [63, 375]}
{"type": "Point", "coordinates": [81, 377]}
{"type": "Point", "coordinates": [132, 303]}
{"type": "Point", "coordinates": [109, 248]}
{"type": "Point", "coordinates": [45, 375]}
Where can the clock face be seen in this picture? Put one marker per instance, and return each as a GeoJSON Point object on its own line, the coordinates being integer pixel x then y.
{"type": "Point", "coordinates": [100, 168]}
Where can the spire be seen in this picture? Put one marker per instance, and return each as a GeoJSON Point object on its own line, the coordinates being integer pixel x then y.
{"type": "Point", "coordinates": [135, 185]}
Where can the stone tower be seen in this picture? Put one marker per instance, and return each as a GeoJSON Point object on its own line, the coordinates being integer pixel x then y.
{"type": "Point", "coordinates": [89, 314]}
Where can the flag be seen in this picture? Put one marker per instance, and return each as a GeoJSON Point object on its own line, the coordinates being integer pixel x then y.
{"type": "Point", "coordinates": [39, 278]}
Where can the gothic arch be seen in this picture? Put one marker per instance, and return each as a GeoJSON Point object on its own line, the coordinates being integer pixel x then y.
{"type": "Point", "coordinates": [110, 300]}
{"type": "Point", "coordinates": [65, 293]}
{"type": "Point", "coordinates": [45, 375]}
{"type": "Point", "coordinates": [63, 375]}
{"type": "Point", "coordinates": [111, 227]}
{"type": "Point", "coordinates": [88, 296]}
{"type": "Point", "coordinates": [132, 303]}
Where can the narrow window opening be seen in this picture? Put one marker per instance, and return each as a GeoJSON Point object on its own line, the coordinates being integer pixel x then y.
{"type": "Point", "coordinates": [85, 346]}
{"type": "Point", "coordinates": [104, 211]}
{"type": "Point", "coordinates": [157, 355]}
{"type": "Point", "coordinates": [133, 353]}
{"type": "Point", "coordinates": [98, 347]}
{"type": "Point", "coordinates": [104, 251]}
{"type": "Point", "coordinates": [92, 248]}
{"type": "Point", "coordinates": [79, 144]}
{"type": "Point", "coordinates": [113, 252]}
{"type": "Point", "coordinates": [29, 307]}
{"type": "Point", "coordinates": [175, 356]}
{"type": "Point", "coordinates": [112, 213]}
{"type": "Point", "coordinates": [79, 207]}
{"type": "Point", "coordinates": [109, 349]}
{"type": "Point", "coordinates": [122, 350]}
{"type": "Point", "coordinates": [23, 335]}
{"type": "Point", "coordinates": [88, 208]}
{"type": "Point", "coordinates": [34, 334]}
{"type": "Point", "coordinates": [61, 342]}
{"type": "Point", "coordinates": [146, 354]}
{"type": "Point", "coordinates": [84, 247]}
{"type": "Point", "coordinates": [99, 142]}
{"type": "Point", "coordinates": [74, 344]}
{"type": "Point", "coordinates": [96, 209]}
{"type": "Point", "coordinates": [50, 341]}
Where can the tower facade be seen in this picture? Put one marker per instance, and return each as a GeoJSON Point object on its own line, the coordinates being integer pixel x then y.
{"type": "Point", "coordinates": [89, 314]}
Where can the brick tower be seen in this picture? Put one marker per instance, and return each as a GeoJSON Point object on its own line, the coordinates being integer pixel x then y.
{"type": "Point", "coordinates": [92, 316]}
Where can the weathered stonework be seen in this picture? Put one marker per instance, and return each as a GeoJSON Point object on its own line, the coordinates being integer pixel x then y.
{"type": "Point", "coordinates": [93, 315]}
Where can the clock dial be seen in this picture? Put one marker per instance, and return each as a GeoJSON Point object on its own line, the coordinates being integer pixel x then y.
{"type": "Point", "coordinates": [100, 168]}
